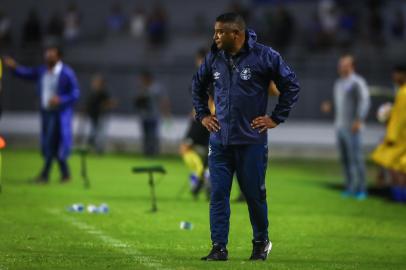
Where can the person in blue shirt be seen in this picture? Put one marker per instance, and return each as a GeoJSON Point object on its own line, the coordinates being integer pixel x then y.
{"type": "Point", "coordinates": [58, 91]}
{"type": "Point", "coordinates": [240, 70]}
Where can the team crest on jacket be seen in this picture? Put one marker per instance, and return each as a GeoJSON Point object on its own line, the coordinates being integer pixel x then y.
{"type": "Point", "coordinates": [216, 75]}
{"type": "Point", "coordinates": [245, 74]}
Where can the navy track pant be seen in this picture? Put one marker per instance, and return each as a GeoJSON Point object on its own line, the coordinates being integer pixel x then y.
{"type": "Point", "coordinates": [52, 144]}
{"type": "Point", "coordinates": [249, 162]}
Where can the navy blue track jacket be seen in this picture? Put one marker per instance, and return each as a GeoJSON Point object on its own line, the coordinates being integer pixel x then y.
{"type": "Point", "coordinates": [241, 90]}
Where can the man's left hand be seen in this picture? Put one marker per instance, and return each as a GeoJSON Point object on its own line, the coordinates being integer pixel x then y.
{"type": "Point", "coordinates": [263, 123]}
{"type": "Point", "coordinates": [356, 126]}
{"type": "Point", "coordinates": [54, 101]}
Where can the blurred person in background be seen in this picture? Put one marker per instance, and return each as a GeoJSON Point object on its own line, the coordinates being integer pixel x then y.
{"type": "Point", "coordinates": [58, 91]}
{"type": "Point", "coordinates": [391, 154]}
{"type": "Point", "coordinates": [32, 30]}
{"type": "Point", "coordinates": [348, 25]}
{"type": "Point", "coordinates": [281, 28]}
{"type": "Point", "coordinates": [328, 18]}
{"type": "Point", "coordinates": [397, 26]}
{"type": "Point", "coordinates": [116, 20]}
{"type": "Point", "coordinates": [351, 104]}
{"type": "Point", "coordinates": [194, 147]}
{"type": "Point", "coordinates": [71, 23]}
{"type": "Point", "coordinates": [375, 24]}
{"type": "Point", "coordinates": [138, 23]}
{"type": "Point", "coordinates": [157, 26]}
{"type": "Point", "coordinates": [151, 101]}
{"type": "Point", "coordinates": [55, 27]}
{"type": "Point", "coordinates": [98, 103]}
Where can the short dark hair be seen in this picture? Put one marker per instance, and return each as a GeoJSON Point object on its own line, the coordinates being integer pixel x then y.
{"type": "Point", "coordinates": [400, 68]}
{"type": "Point", "coordinates": [52, 43]}
{"type": "Point", "coordinates": [234, 18]}
{"type": "Point", "coordinates": [58, 49]}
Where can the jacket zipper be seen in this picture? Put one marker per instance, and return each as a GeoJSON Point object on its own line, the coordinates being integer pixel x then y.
{"type": "Point", "coordinates": [230, 70]}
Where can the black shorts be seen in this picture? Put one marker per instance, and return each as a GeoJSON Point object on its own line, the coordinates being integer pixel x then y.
{"type": "Point", "coordinates": [197, 134]}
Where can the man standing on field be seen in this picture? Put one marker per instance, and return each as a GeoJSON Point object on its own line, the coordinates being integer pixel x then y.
{"type": "Point", "coordinates": [58, 90]}
{"type": "Point", "coordinates": [240, 70]}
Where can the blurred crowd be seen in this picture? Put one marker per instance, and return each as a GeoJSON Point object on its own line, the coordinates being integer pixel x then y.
{"type": "Point", "coordinates": [66, 27]}
{"type": "Point", "coordinates": [333, 23]}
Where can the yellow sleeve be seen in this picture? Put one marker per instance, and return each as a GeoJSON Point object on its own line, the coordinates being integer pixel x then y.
{"type": "Point", "coordinates": [212, 107]}
{"type": "Point", "coordinates": [397, 116]}
{"type": "Point", "coordinates": [273, 90]}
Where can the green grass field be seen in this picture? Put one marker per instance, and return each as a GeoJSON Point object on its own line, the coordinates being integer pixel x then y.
{"type": "Point", "coordinates": [311, 226]}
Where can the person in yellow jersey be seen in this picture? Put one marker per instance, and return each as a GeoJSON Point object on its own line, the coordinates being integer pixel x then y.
{"type": "Point", "coordinates": [391, 153]}
{"type": "Point", "coordinates": [194, 146]}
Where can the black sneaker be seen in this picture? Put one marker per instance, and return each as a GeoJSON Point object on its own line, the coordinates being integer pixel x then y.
{"type": "Point", "coordinates": [260, 250]}
{"type": "Point", "coordinates": [217, 253]}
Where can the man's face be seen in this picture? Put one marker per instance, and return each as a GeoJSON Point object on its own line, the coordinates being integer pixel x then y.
{"type": "Point", "coordinates": [225, 35]}
{"type": "Point", "coordinates": [399, 78]}
{"type": "Point", "coordinates": [145, 80]}
{"type": "Point", "coordinates": [345, 66]}
{"type": "Point", "coordinates": [97, 83]}
{"type": "Point", "coordinates": [51, 56]}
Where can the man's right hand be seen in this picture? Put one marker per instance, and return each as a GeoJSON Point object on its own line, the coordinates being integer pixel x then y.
{"type": "Point", "coordinates": [326, 107]}
{"type": "Point", "coordinates": [211, 123]}
{"type": "Point", "coordinates": [10, 62]}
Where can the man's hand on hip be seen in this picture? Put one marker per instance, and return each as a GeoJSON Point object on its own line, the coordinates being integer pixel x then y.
{"type": "Point", "coordinates": [211, 123]}
{"type": "Point", "coordinates": [54, 102]}
{"type": "Point", "coordinates": [356, 126]}
{"type": "Point", "coordinates": [263, 123]}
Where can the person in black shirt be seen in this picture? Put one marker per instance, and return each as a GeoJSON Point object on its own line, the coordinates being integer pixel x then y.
{"type": "Point", "coordinates": [98, 103]}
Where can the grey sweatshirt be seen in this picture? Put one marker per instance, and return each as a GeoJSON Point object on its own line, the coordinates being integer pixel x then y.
{"type": "Point", "coordinates": [351, 100]}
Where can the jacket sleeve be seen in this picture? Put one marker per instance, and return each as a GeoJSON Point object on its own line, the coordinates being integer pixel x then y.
{"type": "Point", "coordinates": [73, 93]}
{"type": "Point", "coordinates": [363, 100]}
{"type": "Point", "coordinates": [27, 73]}
{"type": "Point", "coordinates": [286, 82]}
{"type": "Point", "coordinates": [200, 83]}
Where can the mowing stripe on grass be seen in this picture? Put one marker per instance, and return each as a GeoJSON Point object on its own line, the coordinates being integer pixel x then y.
{"type": "Point", "coordinates": [115, 243]}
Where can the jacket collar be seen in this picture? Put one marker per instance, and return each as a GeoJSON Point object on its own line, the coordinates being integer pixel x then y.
{"type": "Point", "coordinates": [56, 70]}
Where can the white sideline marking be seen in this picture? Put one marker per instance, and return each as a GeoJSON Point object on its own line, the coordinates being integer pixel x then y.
{"type": "Point", "coordinates": [116, 243]}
